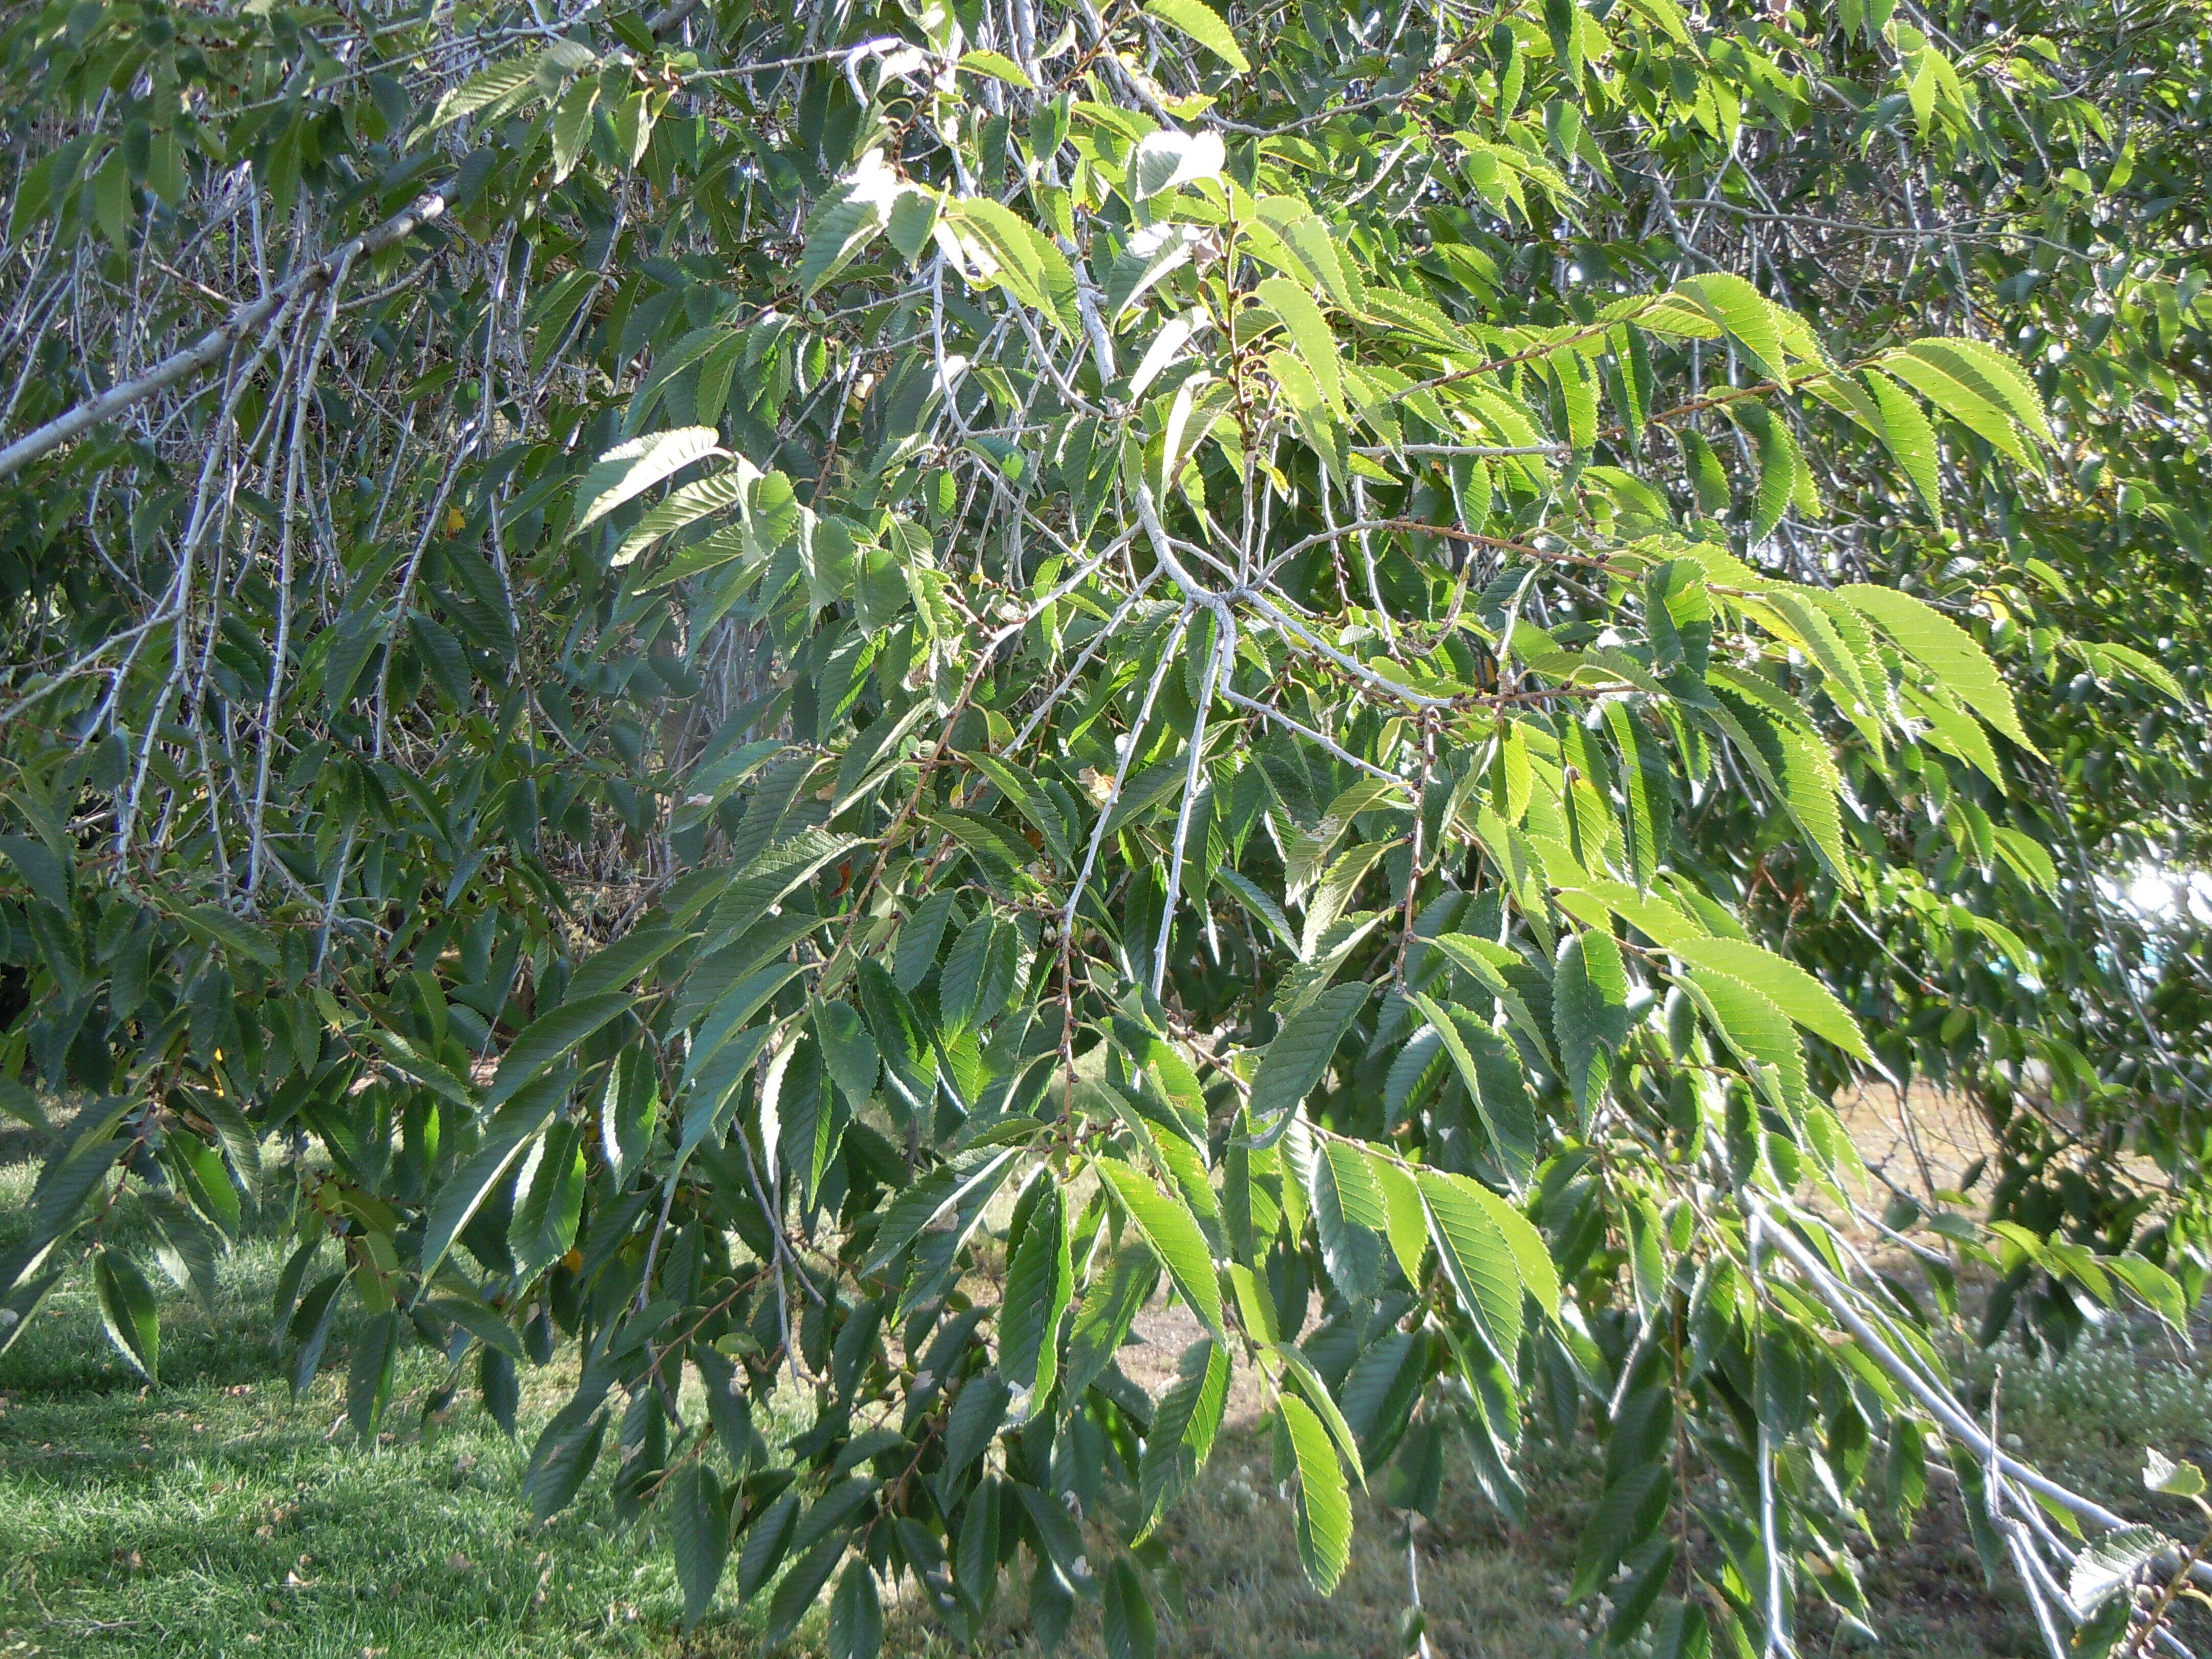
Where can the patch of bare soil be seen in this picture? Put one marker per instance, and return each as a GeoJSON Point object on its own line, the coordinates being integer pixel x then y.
{"type": "Point", "coordinates": [1163, 1333]}
{"type": "Point", "coordinates": [1921, 1138]}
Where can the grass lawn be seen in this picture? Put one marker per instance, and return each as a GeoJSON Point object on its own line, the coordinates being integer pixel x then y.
{"type": "Point", "coordinates": [217, 1516]}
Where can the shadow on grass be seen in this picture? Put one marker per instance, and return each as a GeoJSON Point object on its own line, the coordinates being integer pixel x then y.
{"type": "Point", "coordinates": [218, 1516]}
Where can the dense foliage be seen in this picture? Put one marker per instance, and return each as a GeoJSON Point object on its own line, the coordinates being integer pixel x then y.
{"type": "Point", "coordinates": [820, 694]}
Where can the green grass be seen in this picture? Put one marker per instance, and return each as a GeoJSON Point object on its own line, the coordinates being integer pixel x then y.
{"type": "Point", "coordinates": [217, 1516]}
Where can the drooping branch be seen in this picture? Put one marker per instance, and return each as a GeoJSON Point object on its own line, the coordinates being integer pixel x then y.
{"type": "Point", "coordinates": [217, 343]}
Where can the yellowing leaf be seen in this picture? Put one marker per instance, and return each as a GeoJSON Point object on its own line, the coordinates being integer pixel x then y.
{"type": "Point", "coordinates": [1202, 23]}
{"type": "Point", "coordinates": [999, 68]}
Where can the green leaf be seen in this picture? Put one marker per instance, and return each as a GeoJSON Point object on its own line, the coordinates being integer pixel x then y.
{"type": "Point", "coordinates": [974, 1420]}
{"type": "Point", "coordinates": [1589, 1011]}
{"type": "Point", "coordinates": [914, 214]}
{"type": "Point", "coordinates": [369, 1374]}
{"type": "Point", "coordinates": [800, 1588]}
{"type": "Point", "coordinates": [2107, 653]}
{"type": "Point", "coordinates": [1684, 1633]}
{"type": "Point", "coordinates": [1778, 465]}
{"type": "Point", "coordinates": [698, 1517]}
{"type": "Point", "coordinates": [1789, 987]}
{"type": "Point", "coordinates": [1963, 400]}
{"type": "Point", "coordinates": [1493, 1077]}
{"type": "Point", "coordinates": [128, 1312]}
{"type": "Point", "coordinates": [1130, 276]}
{"type": "Point", "coordinates": [1759, 1032]}
{"type": "Point", "coordinates": [65, 1183]}
{"type": "Point", "coordinates": [1795, 770]}
{"type": "Point", "coordinates": [959, 989]}
{"type": "Point", "coordinates": [1477, 1258]}
{"type": "Point", "coordinates": [571, 127]}
{"type": "Point", "coordinates": [1744, 311]}
{"type": "Point", "coordinates": [2109, 1563]}
{"type": "Point", "coordinates": [1708, 478]}
{"type": "Point", "coordinates": [999, 68]}
{"type": "Point", "coordinates": [185, 1247]}
{"type": "Point", "coordinates": [240, 1139]}
{"type": "Point", "coordinates": [548, 1039]}
{"type": "Point", "coordinates": [1308, 330]}
{"type": "Point", "coordinates": [1318, 257]}
{"type": "Point", "coordinates": [501, 1143]}
{"type": "Point", "coordinates": [845, 222]}
{"type": "Point", "coordinates": [767, 1537]}
{"type": "Point", "coordinates": [1317, 421]}
{"type": "Point", "coordinates": [856, 1615]}
{"type": "Point", "coordinates": [1945, 650]}
{"type": "Point", "coordinates": [1110, 1305]}
{"type": "Point", "coordinates": [46, 875]}
{"type": "Point", "coordinates": [847, 1049]}
{"type": "Point", "coordinates": [1314, 1388]}
{"type": "Point", "coordinates": [629, 469]}
{"type": "Point", "coordinates": [1183, 1430]}
{"type": "Point", "coordinates": [2153, 1284]}
{"type": "Point", "coordinates": [1647, 787]}
{"type": "Point", "coordinates": [205, 1186]}
{"type": "Point", "coordinates": [772, 877]}
{"type": "Point", "coordinates": [1294, 1061]}
{"type": "Point", "coordinates": [1405, 1220]}
{"type": "Point", "coordinates": [499, 1387]}
{"type": "Point", "coordinates": [218, 926]}
{"type": "Point", "coordinates": [1911, 441]}
{"type": "Point", "coordinates": [1171, 1233]}
{"type": "Point", "coordinates": [1202, 23]}
{"type": "Point", "coordinates": [973, 1175]}
{"type": "Point", "coordinates": [549, 1197]}
{"type": "Point", "coordinates": [623, 961]}
{"type": "Point", "coordinates": [1126, 1613]}
{"type": "Point", "coordinates": [909, 1068]}
{"type": "Point", "coordinates": [719, 493]}
{"type": "Point", "coordinates": [1951, 728]}
{"type": "Point", "coordinates": [479, 1321]}
{"type": "Point", "coordinates": [309, 1329]}
{"type": "Point", "coordinates": [1348, 1217]}
{"type": "Point", "coordinates": [1578, 385]}
{"type": "Point", "coordinates": [1038, 1285]}
{"type": "Point", "coordinates": [1263, 909]}
{"type": "Point", "coordinates": [1481, 959]}
{"type": "Point", "coordinates": [2162, 1473]}
{"type": "Point", "coordinates": [1324, 1498]}
{"type": "Point", "coordinates": [111, 202]}
{"type": "Point", "coordinates": [499, 85]}
{"type": "Point", "coordinates": [1025, 262]}
{"type": "Point", "coordinates": [1530, 1257]}
{"type": "Point", "coordinates": [1994, 376]}
{"type": "Point", "coordinates": [1631, 1505]}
